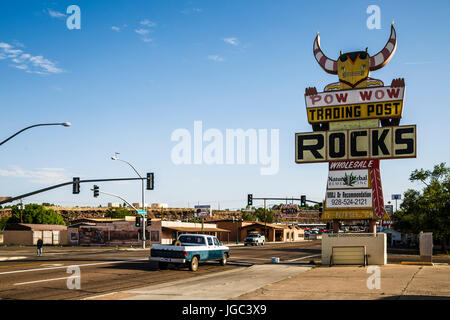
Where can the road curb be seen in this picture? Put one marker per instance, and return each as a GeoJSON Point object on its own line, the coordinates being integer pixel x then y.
{"type": "Point", "coordinates": [416, 263]}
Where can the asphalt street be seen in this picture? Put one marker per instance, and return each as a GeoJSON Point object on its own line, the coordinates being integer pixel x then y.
{"type": "Point", "coordinates": [109, 271]}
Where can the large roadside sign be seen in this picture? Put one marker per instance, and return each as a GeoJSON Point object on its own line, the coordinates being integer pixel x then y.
{"type": "Point", "coordinates": [356, 104]}
{"type": "Point", "coordinates": [202, 210]}
{"type": "Point", "coordinates": [371, 143]}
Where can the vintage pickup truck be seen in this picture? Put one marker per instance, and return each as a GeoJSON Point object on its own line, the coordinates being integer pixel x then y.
{"type": "Point", "coordinates": [189, 250]}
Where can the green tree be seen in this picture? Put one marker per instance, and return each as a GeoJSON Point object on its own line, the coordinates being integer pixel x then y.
{"type": "Point", "coordinates": [248, 216]}
{"type": "Point", "coordinates": [427, 210]}
{"type": "Point", "coordinates": [268, 216]}
{"type": "Point", "coordinates": [119, 213]}
{"type": "Point", "coordinates": [35, 213]}
{"type": "Point", "coordinates": [3, 222]}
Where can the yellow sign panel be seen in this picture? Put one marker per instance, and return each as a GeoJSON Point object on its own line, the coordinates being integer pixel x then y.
{"type": "Point", "coordinates": [388, 109]}
{"type": "Point", "coordinates": [355, 214]}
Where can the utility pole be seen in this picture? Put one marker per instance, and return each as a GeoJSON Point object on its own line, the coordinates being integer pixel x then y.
{"type": "Point", "coordinates": [265, 220]}
{"type": "Point", "coordinates": [21, 211]}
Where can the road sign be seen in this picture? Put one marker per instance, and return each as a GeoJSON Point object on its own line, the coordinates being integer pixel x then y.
{"type": "Point", "coordinates": [142, 212]}
{"type": "Point", "coordinates": [389, 209]}
{"type": "Point", "coordinates": [396, 197]}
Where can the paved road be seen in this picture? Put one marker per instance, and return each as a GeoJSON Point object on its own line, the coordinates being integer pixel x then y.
{"type": "Point", "coordinates": [109, 271]}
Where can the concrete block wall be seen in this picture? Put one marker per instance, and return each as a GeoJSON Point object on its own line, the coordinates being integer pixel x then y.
{"type": "Point", "coordinates": [376, 245]}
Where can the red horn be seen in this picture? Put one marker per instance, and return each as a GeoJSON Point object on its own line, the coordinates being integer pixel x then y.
{"type": "Point", "coordinates": [326, 63]}
{"type": "Point", "coordinates": [382, 58]}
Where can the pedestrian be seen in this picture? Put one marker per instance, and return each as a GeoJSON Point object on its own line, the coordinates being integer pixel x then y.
{"type": "Point", "coordinates": [40, 243]}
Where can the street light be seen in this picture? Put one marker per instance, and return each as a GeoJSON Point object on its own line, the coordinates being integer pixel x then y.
{"type": "Point", "coordinates": [143, 195]}
{"type": "Point", "coordinates": [65, 124]}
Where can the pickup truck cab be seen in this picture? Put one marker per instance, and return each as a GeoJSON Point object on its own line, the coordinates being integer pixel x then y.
{"type": "Point", "coordinates": [189, 250]}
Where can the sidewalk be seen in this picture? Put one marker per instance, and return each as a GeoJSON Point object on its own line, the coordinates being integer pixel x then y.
{"type": "Point", "coordinates": [350, 283]}
{"type": "Point", "coordinates": [216, 286]}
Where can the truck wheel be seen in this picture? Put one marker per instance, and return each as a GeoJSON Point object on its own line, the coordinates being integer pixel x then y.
{"type": "Point", "coordinates": [223, 261]}
{"type": "Point", "coordinates": [163, 265]}
{"type": "Point", "coordinates": [193, 266]}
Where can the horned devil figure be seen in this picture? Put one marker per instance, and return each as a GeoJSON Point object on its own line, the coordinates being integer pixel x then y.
{"type": "Point", "coordinates": [353, 68]}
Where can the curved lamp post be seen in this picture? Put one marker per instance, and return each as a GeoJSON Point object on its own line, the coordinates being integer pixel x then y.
{"type": "Point", "coordinates": [65, 124]}
{"type": "Point", "coordinates": [143, 195]}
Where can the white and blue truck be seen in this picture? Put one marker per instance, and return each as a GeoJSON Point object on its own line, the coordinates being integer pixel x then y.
{"type": "Point", "coordinates": [189, 250]}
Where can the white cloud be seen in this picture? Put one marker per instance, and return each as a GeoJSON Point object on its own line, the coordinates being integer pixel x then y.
{"type": "Point", "coordinates": [232, 41]}
{"type": "Point", "coordinates": [142, 31]}
{"type": "Point", "coordinates": [55, 14]}
{"type": "Point", "coordinates": [215, 57]}
{"type": "Point", "coordinates": [21, 66]}
{"type": "Point", "coordinates": [115, 28]}
{"type": "Point", "coordinates": [191, 10]}
{"type": "Point", "coordinates": [47, 176]}
{"type": "Point", "coordinates": [25, 61]}
{"type": "Point", "coordinates": [148, 23]}
{"type": "Point", "coordinates": [147, 39]}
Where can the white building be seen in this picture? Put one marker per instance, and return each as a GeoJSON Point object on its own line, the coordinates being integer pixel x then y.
{"type": "Point", "coordinates": [159, 205]}
{"type": "Point", "coordinates": [113, 205]}
{"type": "Point", "coordinates": [138, 205]}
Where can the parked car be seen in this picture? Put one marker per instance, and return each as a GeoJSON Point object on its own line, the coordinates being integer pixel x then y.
{"type": "Point", "coordinates": [189, 250]}
{"type": "Point", "coordinates": [254, 239]}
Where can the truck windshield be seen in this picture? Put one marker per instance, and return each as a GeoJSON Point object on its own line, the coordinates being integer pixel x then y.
{"type": "Point", "coordinates": [192, 239]}
{"type": "Point", "coordinates": [252, 235]}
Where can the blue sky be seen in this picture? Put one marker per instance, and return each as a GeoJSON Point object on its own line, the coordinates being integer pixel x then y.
{"type": "Point", "coordinates": [137, 71]}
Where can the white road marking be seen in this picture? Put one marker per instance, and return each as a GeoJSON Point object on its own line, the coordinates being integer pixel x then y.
{"type": "Point", "coordinates": [314, 255]}
{"type": "Point", "coordinates": [245, 258]}
{"type": "Point", "coordinates": [100, 295]}
{"type": "Point", "coordinates": [11, 258]}
{"type": "Point", "coordinates": [37, 281]}
{"type": "Point", "coordinates": [77, 265]}
{"type": "Point", "coordinates": [52, 265]}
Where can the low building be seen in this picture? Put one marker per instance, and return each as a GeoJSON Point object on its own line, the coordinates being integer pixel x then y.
{"type": "Point", "coordinates": [138, 205]}
{"type": "Point", "coordinates": [165, 232]}
{"type": "Point", "coordinates": [28, 234]}
{"type": "Point", "coordinates": [234, 226]}
{"type": "Point", "coordinates": [273, 232]}
{"type": "Point", "coordinates": [113, 205]}
{"type": "Point", "coordinates": [104, 231]}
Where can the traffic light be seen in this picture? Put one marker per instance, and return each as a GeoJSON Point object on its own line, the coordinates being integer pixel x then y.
{"type": "Point", "coordinates": [150, 180]}
{"type": "Point", "coordinates": [138, 221]}
{"type": "Point", "coordinates": [148, 222]}
{"type": "Point", "coordinates": [96, 191]}
{"type": "Point", "coordinates": [303, 201]}
{"type": "Point", "coordinates": [76, 186]}
{"type": "Point", "coordinates": [250, 199]}
{"type": "Point", "coordinates": [320, 210]}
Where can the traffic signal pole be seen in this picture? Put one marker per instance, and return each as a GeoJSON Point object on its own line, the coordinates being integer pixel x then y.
{"type": "Point", "coordinates": [62, 185]}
